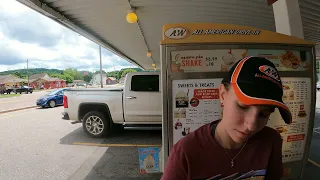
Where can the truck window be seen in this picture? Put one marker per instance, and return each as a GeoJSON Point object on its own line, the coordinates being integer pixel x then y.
{"type": "Point", "coordinates": [145, 83]}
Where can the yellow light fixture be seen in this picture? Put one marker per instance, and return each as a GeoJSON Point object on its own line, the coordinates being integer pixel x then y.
{"type": "Point", "coordinates": [155, 69]}
{"type": "Point", "coordinates": [153, 64]}
{"type": "Point", "coordinates": [132, 17]}
{"type": "Point", "coordinates": [149, 53]}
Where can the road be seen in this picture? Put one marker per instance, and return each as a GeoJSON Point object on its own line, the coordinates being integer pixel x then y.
{"type": "Point", "coordinates": [37, 144]}
{"type": "Point", "coordinates": [25, 100]}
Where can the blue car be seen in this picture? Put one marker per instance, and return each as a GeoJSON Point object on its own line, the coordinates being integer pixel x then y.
{"type": "Point", "coordinates": [52, 99]}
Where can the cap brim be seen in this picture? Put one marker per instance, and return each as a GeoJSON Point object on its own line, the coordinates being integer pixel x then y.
{"type": "Point", "coordinates": [286, 115]}
{"type": "Point", "coordinates": [249, 100]}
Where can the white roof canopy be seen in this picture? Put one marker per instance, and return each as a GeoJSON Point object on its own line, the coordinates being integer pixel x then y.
{"type": "Point", "coordinates": [104, 21]}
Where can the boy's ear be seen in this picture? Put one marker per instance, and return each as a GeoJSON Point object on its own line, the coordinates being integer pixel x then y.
{"type": "Point", "coordinates": [222, 93]}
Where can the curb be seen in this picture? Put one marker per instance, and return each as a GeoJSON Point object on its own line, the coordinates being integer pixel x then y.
{"type": "Point", "coordinates": [18, 109]}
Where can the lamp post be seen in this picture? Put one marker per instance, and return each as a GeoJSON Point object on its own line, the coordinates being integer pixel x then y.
{"type": "Point", "coordinates": [101, 80]}
{"type": "Point", "coordinates": [28, 71]}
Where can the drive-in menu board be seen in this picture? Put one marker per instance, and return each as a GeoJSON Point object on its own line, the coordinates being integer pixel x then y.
{"type": "Point", "coordinates": [297, 96]}
{"type": "Point", "coordinates": [195, 103]}
{"type": "Point", "coordinates": [221, 60]}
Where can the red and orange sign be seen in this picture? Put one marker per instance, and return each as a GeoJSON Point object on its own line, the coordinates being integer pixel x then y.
{"type": "Point", "coordinates": [206, 94]}
{"type": "Point", "coordinates": [298, 137]}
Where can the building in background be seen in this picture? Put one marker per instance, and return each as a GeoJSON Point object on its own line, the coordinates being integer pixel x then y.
{"type": "Point", "coordinates": [96, 80]}
{"type": "Point", "coordinates": [11, 80]}
{"type": "Point", "coordinates": [44, 81]}
{"type": "Point", "coordinates": [111, 80]}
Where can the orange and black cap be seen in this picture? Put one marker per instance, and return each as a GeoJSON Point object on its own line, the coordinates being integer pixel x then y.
{"type": "Point", "coordinates": [256, 81]}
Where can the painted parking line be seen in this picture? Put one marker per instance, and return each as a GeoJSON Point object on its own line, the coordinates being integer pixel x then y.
{"type": "Point", "coordinates": [9, 115]}
{"type": "Point", "coordinates": [18, 109]}
{"type": "Point", "coordinates": [314, 163]}
{"type": "Point", "coordinates": [117, 145]}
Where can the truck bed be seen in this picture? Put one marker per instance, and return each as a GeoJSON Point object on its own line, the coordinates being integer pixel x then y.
{"type": "Point", "coordinates": [112, 97]}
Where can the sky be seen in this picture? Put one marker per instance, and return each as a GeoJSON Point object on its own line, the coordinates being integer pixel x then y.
{"type": "Point", "coordinates": [26, 34]}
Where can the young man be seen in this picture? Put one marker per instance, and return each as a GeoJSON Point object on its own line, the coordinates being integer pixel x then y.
{"type": "Point", "coordinates": [240, 145]}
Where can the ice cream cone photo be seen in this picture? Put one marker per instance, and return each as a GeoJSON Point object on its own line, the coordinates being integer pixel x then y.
{"type": "Point", "coordinates": [149, 163]}
{"type": "Point", "coordinates": [228, 60]}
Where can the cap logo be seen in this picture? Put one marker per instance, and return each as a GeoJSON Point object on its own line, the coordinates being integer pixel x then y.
{"type": "Point", "coordinates": [269, 71]}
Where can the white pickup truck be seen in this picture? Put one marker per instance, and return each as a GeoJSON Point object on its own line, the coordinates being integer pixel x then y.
{"type": "Point", "coordinates": [100, 110]}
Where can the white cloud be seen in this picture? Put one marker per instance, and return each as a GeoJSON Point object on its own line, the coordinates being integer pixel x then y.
{"type": "Point", "coordinates": [12, 7]}
{"type": "Point", "coordinates": [26, 34]}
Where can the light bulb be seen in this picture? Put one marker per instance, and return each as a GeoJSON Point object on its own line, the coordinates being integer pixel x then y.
{"type": "Point", "coordinates": [132, 17]}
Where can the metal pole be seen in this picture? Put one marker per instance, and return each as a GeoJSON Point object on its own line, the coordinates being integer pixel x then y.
{"type": "Point", "coordinates": [101, 80]}
{"type": "Point", "coordinates": [28, 72]}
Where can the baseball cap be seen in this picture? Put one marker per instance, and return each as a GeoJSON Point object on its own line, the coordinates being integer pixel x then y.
{"type": "Point", "coordinates": [256, 81]}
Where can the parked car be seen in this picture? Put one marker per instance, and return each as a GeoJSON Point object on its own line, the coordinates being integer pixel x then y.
{"type": "Point", "coordinates": [318, 86]}
{"type": "Point", "coordinates": [9, 90]}
{"type": "Point", "coordinates": [136, 104]}
{"type": "Point", "coordinates": [3, 89]}
{"type": "Point", "coordinates": [21, 89]}
{"type": "Point", "coordinates": [52, 99]}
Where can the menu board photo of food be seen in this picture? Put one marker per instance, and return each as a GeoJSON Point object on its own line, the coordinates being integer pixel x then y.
{"type": "Point", "coordinates": [285, 60]}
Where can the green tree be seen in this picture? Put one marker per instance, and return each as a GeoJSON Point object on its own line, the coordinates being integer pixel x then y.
{"type": "Point", "coordinates": [88, 77]}
{"type": "Point", "coordinates": [73, 73]}
{"type": "Point", "coordinates": [125, 72]}
{"type": "Point", "coordinates": [98, 72]}
{"type": "Point", "coordinates": [114, 74]}
{"type": "Point", "coordinates": [17, 74]}
{"type": "Point", "coordinates": [67, 77]}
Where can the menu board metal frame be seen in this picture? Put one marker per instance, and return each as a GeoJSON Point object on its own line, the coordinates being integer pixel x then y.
{"type": "Point", "coordinates": [167, 76]}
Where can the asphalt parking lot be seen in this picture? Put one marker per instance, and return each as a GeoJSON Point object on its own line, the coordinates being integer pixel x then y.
{"type": "Point", "coordinates": [37, 144]}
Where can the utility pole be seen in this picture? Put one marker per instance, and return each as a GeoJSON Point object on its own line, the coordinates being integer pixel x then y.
{"type": "Point", "coordinates": [101, 80]}
{"type": "Point", "coordinates": [28, 71]}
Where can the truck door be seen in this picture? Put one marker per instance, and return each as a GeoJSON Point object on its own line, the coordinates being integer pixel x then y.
{"type": "Point", "coordinates": [142, 99]}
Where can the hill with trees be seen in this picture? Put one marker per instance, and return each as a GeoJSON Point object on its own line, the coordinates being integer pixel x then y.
{"type": "Point", "coordinates": [69, 74]}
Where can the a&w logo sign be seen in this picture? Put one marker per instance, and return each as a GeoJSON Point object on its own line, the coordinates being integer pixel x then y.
{"type": "Point", "coordinates": [177, 33]}
{"type": "Point", "coordinates": [269, 71]}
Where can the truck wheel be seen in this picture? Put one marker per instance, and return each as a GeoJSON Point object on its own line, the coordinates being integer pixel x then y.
{"type": "Point", "coordinates": [52, 103]}
{"type": "Point", "coordinates": [95, 124]}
